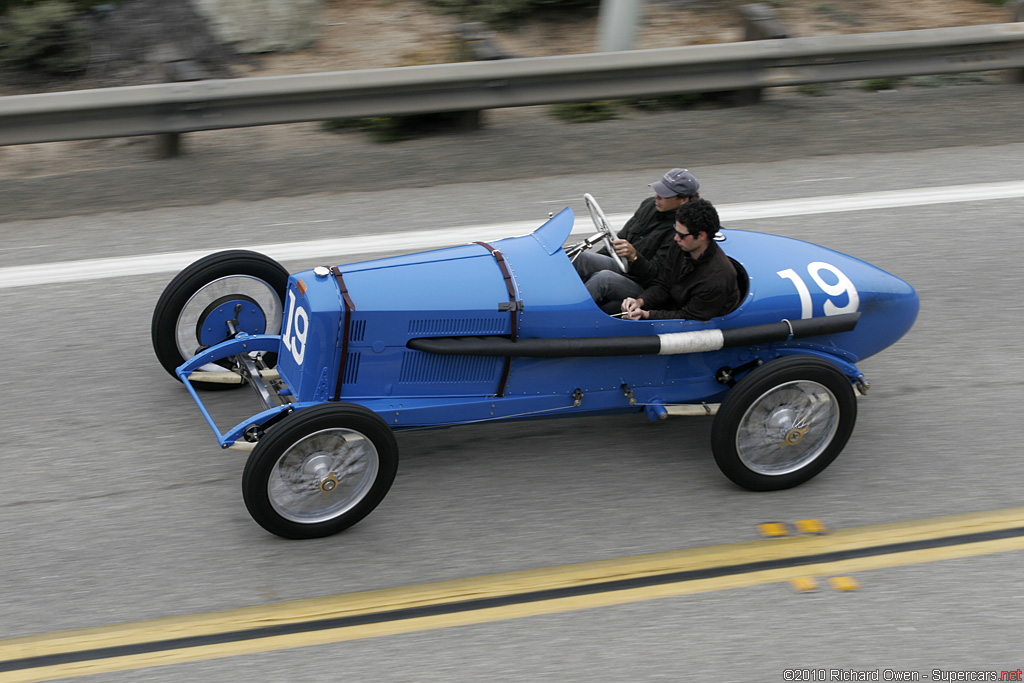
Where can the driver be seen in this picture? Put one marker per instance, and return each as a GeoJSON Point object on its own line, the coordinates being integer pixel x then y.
{"type": "Point", "coordinates": [644, 243]}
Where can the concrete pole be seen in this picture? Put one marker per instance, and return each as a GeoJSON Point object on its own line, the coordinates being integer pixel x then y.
{"type": "Point", "coordinates": [617, 23]}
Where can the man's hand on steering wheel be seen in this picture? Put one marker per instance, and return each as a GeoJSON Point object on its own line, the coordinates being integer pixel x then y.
{"type": "Point", "coordinates": [624, 249]}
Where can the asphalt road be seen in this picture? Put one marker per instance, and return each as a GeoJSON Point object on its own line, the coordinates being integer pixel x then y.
{"type": "Point", "coordinates": [116, 505]}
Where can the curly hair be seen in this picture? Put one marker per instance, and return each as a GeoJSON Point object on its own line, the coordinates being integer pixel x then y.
{"type": "Point", "coordinates": [698, 215]}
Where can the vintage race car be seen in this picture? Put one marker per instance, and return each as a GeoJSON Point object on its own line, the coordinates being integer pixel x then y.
{"type": "Point", "coordinates": [341, 356]}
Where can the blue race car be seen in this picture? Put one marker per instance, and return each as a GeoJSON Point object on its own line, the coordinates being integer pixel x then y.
{"type": "Point", "coordinates": [342, 356]}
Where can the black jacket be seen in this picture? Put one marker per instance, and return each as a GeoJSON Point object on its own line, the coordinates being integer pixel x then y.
{"type": "Point", "coordinates": [650, 232]}
{"type": "Point", "coordinates": [698, 290]}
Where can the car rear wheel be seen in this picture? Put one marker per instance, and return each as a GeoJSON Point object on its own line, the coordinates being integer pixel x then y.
{"type": "Point", "coordinates": [244, 287]}
{"type": "Point", "coordinates": [320, 471]}
{"type": "Point", "coordinates": [783, 423]}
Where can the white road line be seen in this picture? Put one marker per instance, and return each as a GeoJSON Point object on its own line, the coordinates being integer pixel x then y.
{"type": "Point", "coordinates": [872, 200]}
{"type": "Point", "coordinates": [280, 225]}
{"type": "Point", "coordinates": [31, 246]}
{"type": "Point", "coordinates": [323, 251]}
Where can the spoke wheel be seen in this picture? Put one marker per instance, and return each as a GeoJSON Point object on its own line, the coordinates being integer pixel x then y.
{"type": "Point", "coordinates": [320, 471]}
{"type": "Point", "coordinates": [602, 225]}
{"type": "Point", "coordinates": [192, 313]}
{"type": "Point", "coordinates": [784, 423]}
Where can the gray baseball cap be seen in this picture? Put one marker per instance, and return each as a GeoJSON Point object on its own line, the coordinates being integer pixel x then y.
{"type": "Point", "coordinates": [675, 182]}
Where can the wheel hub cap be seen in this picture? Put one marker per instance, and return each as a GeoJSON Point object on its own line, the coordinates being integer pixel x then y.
{"type": "Point", "coordinates": [262, 311]}
{"type": "Point", "coordinates": [329, 483]}
{"type": "Point", "coordinates": [787, 427]}
{"type": "Point", "coordinates": [323, 475]}
{"type": "Point", "coordinates": [793, 437]}
{"type": "Point", "coordinates": [319, 466]}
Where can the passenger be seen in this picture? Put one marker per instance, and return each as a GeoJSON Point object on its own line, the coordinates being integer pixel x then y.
{"type": "Point", "coordinates": [644, 243]}
{"type": "Point", "coordinates": [697, 280]}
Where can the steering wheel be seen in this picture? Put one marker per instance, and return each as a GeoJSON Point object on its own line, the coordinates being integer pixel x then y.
{"type": "Point", "coordinates": [601, 223]}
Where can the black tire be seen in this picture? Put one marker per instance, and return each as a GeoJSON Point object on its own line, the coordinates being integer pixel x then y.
{"type": "Point", "coordinates": [286, 477]}
{"type": "Point", "coordinates": [174, 340]}
{"type": "Point", "coordinates": [801, 403]}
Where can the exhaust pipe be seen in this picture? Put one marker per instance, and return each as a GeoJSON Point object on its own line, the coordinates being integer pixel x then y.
{"type": "Point", "coordinates": [662, 344]}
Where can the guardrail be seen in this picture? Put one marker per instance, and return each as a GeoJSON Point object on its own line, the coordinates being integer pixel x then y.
{"type": "Point", "coordinates": [231, 103]}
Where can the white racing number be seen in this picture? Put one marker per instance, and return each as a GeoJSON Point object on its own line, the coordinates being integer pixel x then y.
{"type": "Point", "coordinates": [299, 320]}
{"type": "Point", "coordinates": [842, 285]}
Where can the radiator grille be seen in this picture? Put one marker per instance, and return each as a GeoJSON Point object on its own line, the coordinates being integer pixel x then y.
{"type": "Point", "coordinates": [351, 368]}
{"type": "Point", "coordinates": [446, 326]}
{"type": "Point", "coordinates": [423, 368]}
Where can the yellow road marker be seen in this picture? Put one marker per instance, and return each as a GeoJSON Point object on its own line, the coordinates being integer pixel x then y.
{"type": "Point", "coordinates": [811, 526]}
{"type": "Point", "coordinates": [804, 584]}
{"type": "Point", "coordinates": [773, 529]}
{"type": "Point", "coordinates": [844, 583]}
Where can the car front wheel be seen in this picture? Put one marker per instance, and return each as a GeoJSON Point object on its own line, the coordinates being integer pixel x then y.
{"type": "Point", "coordinates": [243, 288]}
{"type": "Point", "coordinates": [320, 471]}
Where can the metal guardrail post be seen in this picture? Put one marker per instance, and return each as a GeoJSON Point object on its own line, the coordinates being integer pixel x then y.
{"type": "Point", "coordinates": [172, 66]}
{"type": "Point", "coordinates": [477, 40]}
{"type": "Point", "coordinates": [760, 22]}
{"type": "Point", "coordinates": [1016, 14]}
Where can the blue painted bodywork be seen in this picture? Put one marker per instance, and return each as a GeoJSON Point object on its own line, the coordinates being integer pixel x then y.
{"type": "Point", "coordinates": [460, 291]}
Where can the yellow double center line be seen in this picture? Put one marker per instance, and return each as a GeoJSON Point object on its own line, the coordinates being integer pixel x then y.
{"type": "Point", "coordinates": [504, 596]}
